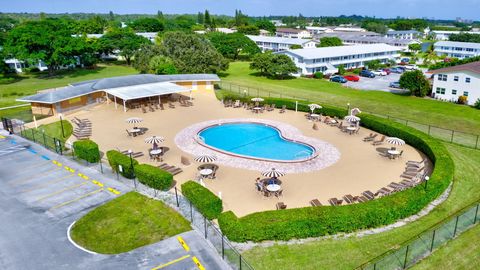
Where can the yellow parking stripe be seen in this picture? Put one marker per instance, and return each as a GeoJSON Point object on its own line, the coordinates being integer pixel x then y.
{"type": "Point", "coordinates": [197, 263]}
{"type": "Point", "coordinates": [76, 199]}
{"type": "Point", "coordinates": [97, 183]}
{"type": "Point", "coordinates": [183, 243]}
{"type": "Point", "coordinates": [2, 137]}
{"type": "Point", "coordinates": [114, 191]}
{"type": "Point", "coordinates": [46, 184]}
{"type": "Point", "coordinates": [171, 262]}
{"type": "Point", "coordinates": [60, 191]}
{"type": "Point", "coordinates": [31, 177]}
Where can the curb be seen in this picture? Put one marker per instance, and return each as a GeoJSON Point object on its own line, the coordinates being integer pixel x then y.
{"type": "Point", "coordinates": [73, 242]}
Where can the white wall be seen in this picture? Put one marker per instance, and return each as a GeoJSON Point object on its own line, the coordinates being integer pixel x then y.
{"type": "Point", "coordinates": [461, 86]}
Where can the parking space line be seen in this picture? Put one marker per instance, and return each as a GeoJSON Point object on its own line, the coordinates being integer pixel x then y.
{"type": "Point", "coordinates": [197, 263]}
{"type": "Point", "coordinates": [171, 262]}
{"type": "Point", "coordinates": [28, 178]}
{"type": "Point", "coordinates": [76, 199]}
{"type": "Point", "coordinates": [60, 191]}
{"type": "Point", "coordinates": [46, 184]}
{"type": "Point", "coordinates": [183, 243]}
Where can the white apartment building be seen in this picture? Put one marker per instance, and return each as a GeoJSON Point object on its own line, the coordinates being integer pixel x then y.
{"type": "Point", "coordinates": [451, 82]}
{"type": "Point", "coordinates": [277, 44]}
{"type": "Point", "coordinates": [456, 49]}
{"type": "Point", "coordinates": [327, 60]}
{"type": "Point", "coordinates": [445, 35]}
{"type": "Point", "coordinates": [293, 33]}
{"type": "Point", "coordinates": [407, 34]}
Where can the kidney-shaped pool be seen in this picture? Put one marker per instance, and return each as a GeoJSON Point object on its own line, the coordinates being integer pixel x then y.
{"type": "Point", "coordinates": [255, 140]}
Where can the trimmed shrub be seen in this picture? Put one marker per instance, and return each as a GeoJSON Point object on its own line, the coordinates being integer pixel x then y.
{"type": "Point", "coordinates": [203, 199]}
{"type": "Point", "coordinates": [87, 150]}
{"type": "Point", "coordinates": [324, 220]}
{"type": "Point", "coordinates": [116, 158]}
{"type": "Point", "coordinates": [462, 100]}
{"type": "Point", "coordinates": [318, 75]}
{"type": "Point", "coordinates": [477, 104]}
{"type": "Point", "coordinates": [153, 177]}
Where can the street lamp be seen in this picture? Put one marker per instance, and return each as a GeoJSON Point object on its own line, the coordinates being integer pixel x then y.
{"type": "Point", "coordinates": [426, 181]}
{"type": "Point", "coordinates": [130, 152]}
{"type": "Point", "coordinates": [348, 108]}
{"type": "Point", "coordinates": [61, 124]}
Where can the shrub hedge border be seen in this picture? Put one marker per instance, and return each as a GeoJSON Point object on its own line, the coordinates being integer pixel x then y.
{"type": "Point", "coordinates": [153, 177]}
{"type": "Point", "coordinates": [87, 150]}
{"type": "Point", "coordinates": [325, 220]}
{"type": "Point", "coordinates": [116, 158]}
{"type": "Point", "coordinates": [203, 199]}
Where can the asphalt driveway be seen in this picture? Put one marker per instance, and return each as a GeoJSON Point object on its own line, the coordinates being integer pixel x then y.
{"type": "Point", "coordinates": [379, 83]}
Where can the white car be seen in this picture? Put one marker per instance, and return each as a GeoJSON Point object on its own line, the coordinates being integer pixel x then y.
{"type": "Point", "coordinates": [411, 67]}
{"type": "Point", "coordinates": [379, 72]}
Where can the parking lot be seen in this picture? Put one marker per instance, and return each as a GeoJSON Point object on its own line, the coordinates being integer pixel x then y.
{"type": "Point", "coordinates": [379, 83]}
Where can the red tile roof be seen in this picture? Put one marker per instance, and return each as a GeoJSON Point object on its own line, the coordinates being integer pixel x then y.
{"type": "Point", "coordinates": [472, 67]}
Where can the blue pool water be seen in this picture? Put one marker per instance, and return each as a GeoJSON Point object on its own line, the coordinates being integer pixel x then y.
{"type": "Point", "coordinates": [254, 140]}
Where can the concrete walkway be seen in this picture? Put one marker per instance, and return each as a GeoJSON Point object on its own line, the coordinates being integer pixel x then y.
{"type": "Point", "coordinates": [40, 199]}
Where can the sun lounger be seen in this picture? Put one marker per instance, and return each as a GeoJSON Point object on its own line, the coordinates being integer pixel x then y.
{"type": "Point", "coordinates": [368, 194]}
{"type": "Point", "coordinates": [315, 202]}
{"type": "Point", "coordinates": [349, 198]}
{"type": "Point", "coordinates": [383, 191]}
{"type": "Point", "coordinates": [370, 137]}
{"type": "Point", "coordinates": [283, 109]}
{"type": "Point", "coordinates": [335, 201]}
{"type": "Point", "coordinates": [379, 142]}
{"type": "Point", "coordinates": [362, 199]}
{"type": "Point", "coordinates": [281, 205]}
{"type": "Point", "coordinates": [417, 163]}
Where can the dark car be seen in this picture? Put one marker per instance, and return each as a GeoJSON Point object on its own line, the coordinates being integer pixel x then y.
{"type": "Point", "coordinates": [405, 60]}
{"type": "Point", "coordinates": [399, 70]}
{"type": "Point", "coordinates": [367, 73]}
{"type": "Point", "coordinates": [395, 85]}
{"type": "Point", "coordinates": [338, 79]}
{"type": "Point", "coordinates": [352, 78]}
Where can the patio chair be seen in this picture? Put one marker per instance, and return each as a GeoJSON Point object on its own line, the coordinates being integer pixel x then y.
{"type": "Point", "coordinates": [379, 142]}
{"type": "Point", "coordinates": [272, 107]}
{"type": "Point", "coordinates": [237, 104]}
{"type": "Point", "coordinates": [266, 193]}
{"type": "Point", "coordinates": [315, 202]}
{"type": "Point", "coordinates": [171, 106]}
{"type": "Point", "coordinates": [144, 110]}
{"type": "Point", "coordinates": [279, 193]}
{"type": "Point", "coordinates": [283, 109]}
{"type": "Point", "coordinates": [281, 205]}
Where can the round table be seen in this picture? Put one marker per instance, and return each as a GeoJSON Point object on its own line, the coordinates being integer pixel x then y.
{"type": "Point", "coordinates": [273, 187]}
{"type": "Point", "coordinates": [313, 115]}
{"type": "Point", "coordinates": [393, 152]}
{"type": "Point", "coordinates": [156, 151]}
{"type": "Point", "coordinates": [206, 172]}
{"type": "Point", "coordinates": [351, 128]}
{"type": "Point", "coordinates": [333, 121]}
{"type": "Point", "coordinates": [134, 130]}
{"type": "Point", "coordinates": [257, 109]}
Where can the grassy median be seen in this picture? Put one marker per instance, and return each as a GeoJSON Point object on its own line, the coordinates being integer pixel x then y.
{"type": "Point", "coordinates": [127, 222]}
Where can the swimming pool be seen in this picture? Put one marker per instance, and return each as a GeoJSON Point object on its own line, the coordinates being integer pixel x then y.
{"type": "Point", "coordinates": [254, 140]}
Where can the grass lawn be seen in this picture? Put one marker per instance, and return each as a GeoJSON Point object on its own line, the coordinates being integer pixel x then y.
{"type": "Point", "coordinates": [126, 223]}
{"type": "Point", "coordinates": [461, 253]}
{"type": "Point", "coordinates": [422, 110]}
{"type": "Point", "coordinates": [52, 130]}
{"type": "Point", "coordinates": [351, 252]}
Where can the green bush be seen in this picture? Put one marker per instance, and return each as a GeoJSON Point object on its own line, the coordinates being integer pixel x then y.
{"type": "Point", "coordinates": [462, 100]}
{"type": "Point", "coordinates": [203, 199]}
{"type": "Point", "coordinates": [318, 75]}
{"type": "Point", "coordinates": [153, 177]}
{"type": "Point", "coordinates": [356, 71]}
{"type": "Point", "coordinates": [317, 221]}
{"type": "Point", "coordinates": [87, 150]}
{"type": "Point", "coordinates": [116, 158]}
{"type": "Point", "coordinates": [477, 104]}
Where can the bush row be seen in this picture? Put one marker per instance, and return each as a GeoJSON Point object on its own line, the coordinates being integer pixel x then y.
{"type": "Point", "coordinates": [317, 221]}
{"type": "Point", "coordinates": [203, 199]}
{"type": "Point", "coordinates": [116, 158]}
{"type": "Point", "coordinates": [153, 177]}
{"type": "Point", "coordinates": [87, 150]}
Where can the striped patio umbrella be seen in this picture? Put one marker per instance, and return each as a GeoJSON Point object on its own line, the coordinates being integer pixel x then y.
{"type": "Point", "coordinates": [395, 141]}
{"type": "Point", "coordinates": [205, 159]}
{"type": "Point", "coordinates": [314, 106]}
{"type": "Point", "coordinates": [154, 140]}
{"type": "Point", "coordinates": [134, 120]}
{"type": "Point", "coordinates": [257, 99]}
{"type": "Point", "coordinates": [273, 173]}
{"type": "Point", "coordinates": [352, 118]}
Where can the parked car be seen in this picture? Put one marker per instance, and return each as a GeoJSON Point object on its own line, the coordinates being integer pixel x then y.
{"type": "Point", "coordinates": [405, 60]}
{"type": "Point", "coordinates": [398, 70]}
{"type": "Point", "coordinates": [338, 79]}
{"type": "Point", "coordinates": [387, 70]}
{"type": "Point", "coordinates": [379, 72]}
{"type": "Point", "coordinates": [367, 73]}
{"type": "Point", "coordinates": [352, 78]}
{"type": "Point", "coordinates": [395, 85]}
{"type": "Point", "coordinates": [411, 67]}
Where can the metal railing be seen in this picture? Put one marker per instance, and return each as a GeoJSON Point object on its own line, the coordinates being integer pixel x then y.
{"type": "Point", "coordinates": [424, 243]}
{"type": "Point", "coordinates": [452, 136]}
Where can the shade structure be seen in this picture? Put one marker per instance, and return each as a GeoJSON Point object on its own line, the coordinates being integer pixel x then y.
{"type": "Point", "coordinates": [205, 158]}
{"type": "Point", "coordinates": [355, 111]}
{"type": "Point", "coordinates": [314, 106]}
{"type": "Point", "coordinates": [134, 120]}
{"type": "Point", "coordinates": [154, 139]}
{"type": "Point", "coordinates": [395, 141]}
{"type": "Point", "coordinates": [273, 173]}
{"type": "Point", "coordinates": [352, 118]}
{"type": "Point", "coordinates": [257, 99]}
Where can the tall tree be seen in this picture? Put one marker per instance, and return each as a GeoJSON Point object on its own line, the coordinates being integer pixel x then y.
{"type": "Point", "coordinates": [200, 18]}
{"type": "Point", "coordinates": [273, 65]}
{"type": "Point", "coordinates": [231, 45]}
{"type": "Point", "coordinates": [266, 25]}
{"type": "Point", "coordinates": [330, 42]}
{"type": "Point", "coordinates": [192, 53]}
{"type": "Point", "coordinates": [262, 62]}
{"type": "Point", "coordinates": [207, 19]}
{"type": "Point", "coordinates": [144, 55]}
{"type": "Point", "coordinates": [162, 65]}
{"type": "Point", "coordinates": [416, 82]}
{"type": "Point", "coordinates": [147, 25]}
{"type": "Point", "coordinates": [111, 16]}
{"type": "Point", "coordinates": [160, 16]}
{"type": "Point", "coordinates": [248, 30]}
{"type": "Point", "coordinates": [49, 40]}
{"type": "Point", "coordinates": [123, 40]}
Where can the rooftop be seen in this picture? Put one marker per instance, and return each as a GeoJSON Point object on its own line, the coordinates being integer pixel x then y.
{"type": "Point", "coordinates": [295, 30]}
{"type": "Point", "coordinates": [292, 41]}
{"type": "Point", "coordinates": [472, 67]}
{"type": "Point", "coordinates": [400, 32]}
{"type": "Point", "coordinates": [325, 52]}
{"type": "Point", "coordinates": [457, 44]}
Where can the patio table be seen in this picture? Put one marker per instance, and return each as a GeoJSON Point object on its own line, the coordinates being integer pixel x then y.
{"type": "Point", "coordinates": [206, 172]}
{"type": "Point", "coordinates": [257, 109]}
{"type": "Point", "coordinates": [393, 152]}
{"type": "Point", "coordinates": [351, 130]}
{"type": "Point", "coordinates": [156, 152]}
{"type": "Point", "coordinates": [273, 187]}
{"type": "Point", "coordinates": [134, 130]}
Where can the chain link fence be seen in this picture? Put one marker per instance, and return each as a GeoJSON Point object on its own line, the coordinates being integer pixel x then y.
{"type": "Point", "coordinates": [444, 134]}
{"type": "Point", "coordinates": [423, 244]}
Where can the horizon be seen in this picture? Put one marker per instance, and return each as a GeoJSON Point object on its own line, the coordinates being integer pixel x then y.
{"type": "Point", "coordinates": [437, 10]}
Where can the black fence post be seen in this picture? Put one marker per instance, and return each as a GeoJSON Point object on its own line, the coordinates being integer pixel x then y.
{"type": "Point", "coordinates": [476, 214]}
{"type": "Point", "coordinates": [33, 135]}
{"type": "Point", "coordinates": [429, 127]}
{"type": "Point", "coordinates": [476, 143]}
{"type": "Point", "coordinates": [406, 256]}
{"type": "Point", "coordinates": [176, 196]}
{"type": "Point", "coordinates": [456, 224]}
{"type": "Point", "coordinates": [191, 211]}
{"type": "Point", "coordinates": [453, 132]}
{"type": "Point", "coordinates": [223, 247]}
{"type": "Point", "coordinates": [433, 241]}
{"type": "Point", "coordinates": [406, 122]}
{"type": "Point", "coordinates": [44, 140]}
{"type": "Point", "coordinates": [205, 226]}
{"type": "Point", "coordinates": [240, 258]}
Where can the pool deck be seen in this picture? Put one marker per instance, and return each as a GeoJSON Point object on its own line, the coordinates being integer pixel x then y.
{"type": "Point", "coordinates": [359, 166]}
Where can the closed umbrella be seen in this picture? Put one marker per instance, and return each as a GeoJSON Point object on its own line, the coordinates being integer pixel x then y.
{"type": "Point", "coordinates": [205, 159]}
{"type": "Point", "coordinates": [314, 106]}
{"type": "Point", "coordinates": [352, 118]}
{"type": "Point", "coordinates": [273, 173]}
{"type": "Point", "coordinates": [355, 111]}
{"type": "Point", "coordinates": [395, 141]}
{"type": "Point", "coordinates": [257, 99]}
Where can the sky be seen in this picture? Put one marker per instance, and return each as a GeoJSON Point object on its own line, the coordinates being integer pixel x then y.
{"type": "Point", "coordinates": [438, 9]}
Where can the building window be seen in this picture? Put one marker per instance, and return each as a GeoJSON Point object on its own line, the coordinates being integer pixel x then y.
{"type": "Point", "coordinates": [467, 80]}
{"type": "Point", "coordinates": [465, 93]}
{"type": "Point", "coordinates": [454, 92]}
{"type": "Point", "coordinates": [455, 78]}
{"type": "Point", "coordinates": [442, 77]}
{"type": "Point", "coordinates": [440, 91]}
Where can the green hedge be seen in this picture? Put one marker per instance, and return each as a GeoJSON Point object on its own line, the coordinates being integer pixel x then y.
{"type": "Point", "coordinates": [87, 150]}
{"type": "Point", "coordinates": [116, 158]}
{"type": "Point", "coordinates": [317, 221]}
{"type": "Point", "coordinates": [153, 177]}
{"type": "Point", "coordinates": [203, 199]}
